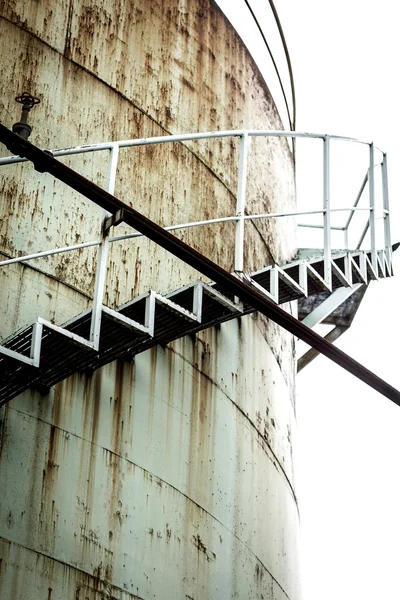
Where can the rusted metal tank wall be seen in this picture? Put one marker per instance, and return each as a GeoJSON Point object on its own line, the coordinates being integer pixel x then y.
{"type": "Point", "coordinates": [170, 476]}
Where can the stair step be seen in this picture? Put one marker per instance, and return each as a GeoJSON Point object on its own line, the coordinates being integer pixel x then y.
{"type": "Point", "coordinates": [153, 319]}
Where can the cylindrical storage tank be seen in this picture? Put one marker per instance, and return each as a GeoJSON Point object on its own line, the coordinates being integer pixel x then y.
{"type": "Point", "coordinates": [167, 474]}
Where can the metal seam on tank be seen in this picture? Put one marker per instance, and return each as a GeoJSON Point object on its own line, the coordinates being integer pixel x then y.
{"type": "Point", "coordinates": [118, 93]}
{"type": "Point", "coordinates": [141, 110]}
{"type": "Point", "coordinates": [187, 360]}
{"type": "Point", "coordinates": [50, 276]}
{"type": "Point", "coordinates": [294, 497]}
{"type": "Point", "coordinates": [90, 297]}
{"type": "Point", "coordinates": [277, 355]}
{"type": "Point", "coordinates": [263, 240]}
{"type": "Point", "coordinates": [259, 435]}
{"type": "Point", "coordinates": [282, 519]}
{"type": "Point", "coordinates": [72, 567]}
{"type": "Point", "coordinates": [86, 574]}
{"type": "Point", "coordinates": [168, 485]}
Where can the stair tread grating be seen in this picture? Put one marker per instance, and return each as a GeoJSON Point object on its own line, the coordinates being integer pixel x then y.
{"type": "Point", "coordinates": [61, 356]}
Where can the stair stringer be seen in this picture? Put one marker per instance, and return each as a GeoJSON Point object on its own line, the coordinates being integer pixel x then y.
{"type": "Point", "coordinates": [42, 354]}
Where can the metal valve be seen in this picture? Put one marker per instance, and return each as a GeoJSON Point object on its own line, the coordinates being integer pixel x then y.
{"type": "Point", "coordinates": [28, 102]}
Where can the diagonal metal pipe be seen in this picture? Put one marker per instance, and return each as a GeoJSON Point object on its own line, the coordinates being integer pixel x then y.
{"type": "Point", "coordinates": [45, 162]}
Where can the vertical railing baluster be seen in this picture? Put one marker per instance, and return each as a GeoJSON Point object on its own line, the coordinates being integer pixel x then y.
{"type": "Point", "coordinates": [241, 202]}
{"type": "Point", "coordinates": [372, 215]}
{"type": "Point", "coordinates": [346, 238]}
{"type": "Point", "coordinates": [102, 256]}
{"type": "Point", "coordinates": [327, 213]}
{"type": "Point", "coordinates": [386, 212]}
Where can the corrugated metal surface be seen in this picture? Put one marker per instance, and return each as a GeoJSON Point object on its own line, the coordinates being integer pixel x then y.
{"type": "Point", "coordinates": [171, 475]}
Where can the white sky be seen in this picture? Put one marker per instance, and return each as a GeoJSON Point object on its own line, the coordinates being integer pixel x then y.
{"type": "Point", "coordinates": [345, 58]}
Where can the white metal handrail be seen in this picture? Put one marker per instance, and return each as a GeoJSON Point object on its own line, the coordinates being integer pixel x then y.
{"type": "Point", "coordinates": [187, 137]}
{"type": "Point", "coordinates": [118, 238]}
{"type": "Point", "coordinates": [240, 217]}
{"type": "Point", "coordinates": [374, 259]}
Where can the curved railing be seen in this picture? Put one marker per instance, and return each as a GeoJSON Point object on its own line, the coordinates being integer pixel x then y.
{"type": "Point", "coordinates": [267, 11]}
{"type": "Point", "coordinates": [103, 334]}
{"type": "Point", "coordinates": [325, 211]}
{"type": "Point", "coordinates": [291, 114]}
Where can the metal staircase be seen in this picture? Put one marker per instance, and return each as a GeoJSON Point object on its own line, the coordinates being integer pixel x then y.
{"type": "Point", "coordinates": [43, 354]}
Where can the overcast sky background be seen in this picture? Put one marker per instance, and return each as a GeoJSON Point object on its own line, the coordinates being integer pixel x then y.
{"type": "Point", "coordinates": [345, 60]}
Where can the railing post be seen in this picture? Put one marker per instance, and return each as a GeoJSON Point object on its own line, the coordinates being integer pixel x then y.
{"type": "Point", "coordinates": [102, 257]}
{"type": "Point", "coordinates": [346, 238]}
{"type": "Point", "coordinates": [241, 202]}
{"type": "Point", "coordinates": [372, 215]}
{"type": "Point", "coordinates": [112, 168]}
{"type": "Point", "coordinates": [327, 213]}
{"type": "Point", "coordinates": [386, 212]}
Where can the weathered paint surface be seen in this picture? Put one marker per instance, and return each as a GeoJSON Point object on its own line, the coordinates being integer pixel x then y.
{"type": "Point", "coordinates": [169, 184]}
{"type": "Point", "coordinates": [171, 476]}
{"type": "Point", "coordinates": [123, 70]}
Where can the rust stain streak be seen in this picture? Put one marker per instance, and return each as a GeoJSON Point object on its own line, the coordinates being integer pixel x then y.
{"type": "Point", "coordinates": [260, 438]}
{"type": "Point", "coordinates": [127, 99]}
{"type": "Point", "coordinates": [73, 567]}
{"type": "Point", "coordinates": [197, 505]}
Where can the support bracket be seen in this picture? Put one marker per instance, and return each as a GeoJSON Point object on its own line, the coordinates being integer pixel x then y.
{"type": "Point", "coordinates": [114, 220]}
